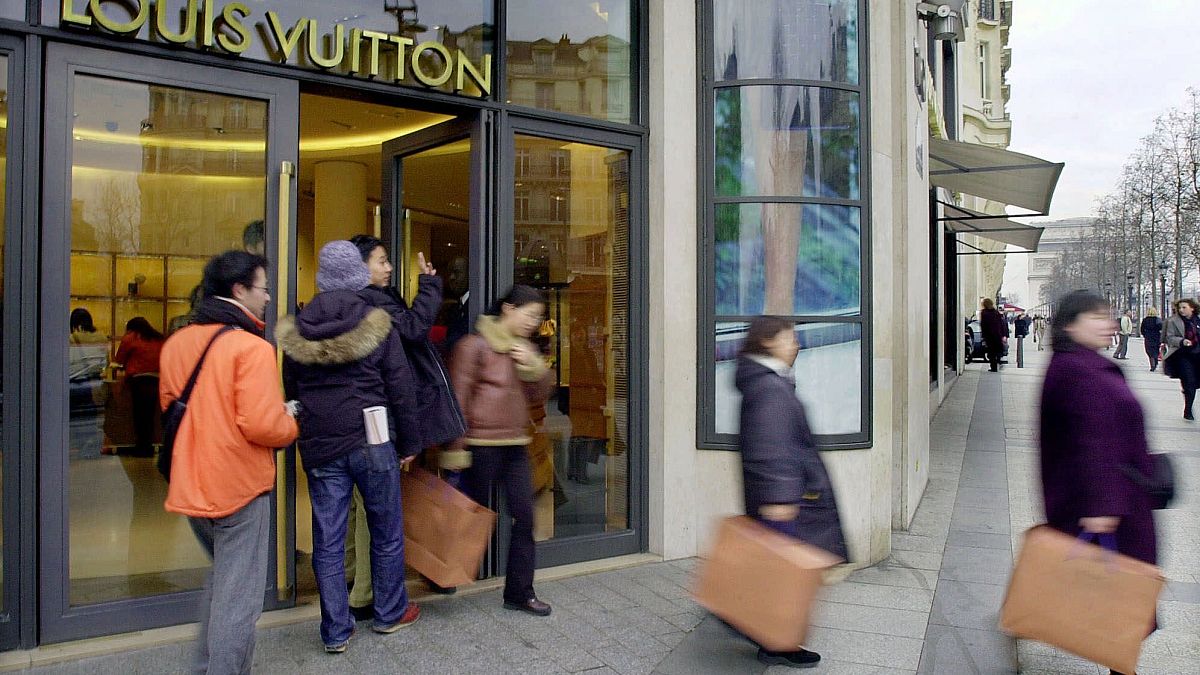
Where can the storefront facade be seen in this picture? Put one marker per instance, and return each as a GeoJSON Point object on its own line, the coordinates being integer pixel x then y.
{"type": "Point", "coordinates": [664, 170]}
{"type": "Point", "coordinates": [505, 143]}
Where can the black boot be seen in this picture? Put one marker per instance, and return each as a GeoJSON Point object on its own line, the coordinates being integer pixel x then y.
{"type": "Point", "coordinates": [1188, 398]}
{"type": "Point", "coordinates": [801, 658]}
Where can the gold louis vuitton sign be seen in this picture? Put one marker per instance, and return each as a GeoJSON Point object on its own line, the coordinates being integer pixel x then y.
{"type": "Point", "coordinates": [232, 29]}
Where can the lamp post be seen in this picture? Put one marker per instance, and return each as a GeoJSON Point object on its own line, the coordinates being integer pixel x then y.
{"type": "Point", "coordinates": [1162, 277]}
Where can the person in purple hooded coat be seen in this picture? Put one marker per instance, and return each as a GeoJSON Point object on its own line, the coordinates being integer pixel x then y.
{"type": "Point", "coordinates": [1092, 430]}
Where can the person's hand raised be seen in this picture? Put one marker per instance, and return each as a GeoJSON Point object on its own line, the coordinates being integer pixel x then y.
{"type": "Point", "coordinates": [424, 267]}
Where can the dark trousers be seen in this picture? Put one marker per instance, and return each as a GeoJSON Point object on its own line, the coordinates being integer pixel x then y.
{"type": "Point", "coordinates": [1184, 366]}
{"type": "Point", "coordinates": [375, 470]}
{"type": "Point", "coordinates": [994, 351]}
{"type": "Point", "coordinates": [509, 466]}
{"type": "Point", "coordinates": [1152, 354]}
{"type": "Point", "coordinates": [1122, 346]}
{"type": "Point", "coordinates": [143, 389]}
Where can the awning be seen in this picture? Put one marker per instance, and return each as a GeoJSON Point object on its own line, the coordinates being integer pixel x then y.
{"type": "Point", "coordinates": [993, 173]}
{"type": "Point", "coordinates": [996, 228]}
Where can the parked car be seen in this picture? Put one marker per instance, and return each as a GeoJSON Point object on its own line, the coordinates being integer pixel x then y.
{"type": "Point", "coordinates": [973, 343]}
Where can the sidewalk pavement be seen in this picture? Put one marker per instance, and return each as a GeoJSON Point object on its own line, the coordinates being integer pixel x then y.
{"type": "Point", "coordinates": [931, 607]}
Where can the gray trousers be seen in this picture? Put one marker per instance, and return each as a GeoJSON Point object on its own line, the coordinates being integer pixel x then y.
{"type": "Point", "coordinates": [1122, 345]}
{"type": "Point", "coordinates": [233, 597]}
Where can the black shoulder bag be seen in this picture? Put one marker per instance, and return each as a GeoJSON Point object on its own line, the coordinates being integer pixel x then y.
{"type": "Point", "coordinates": [172, 417]}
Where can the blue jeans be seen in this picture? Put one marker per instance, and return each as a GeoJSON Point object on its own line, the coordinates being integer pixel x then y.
{"type": "Point", "coordinates": [375, 470]}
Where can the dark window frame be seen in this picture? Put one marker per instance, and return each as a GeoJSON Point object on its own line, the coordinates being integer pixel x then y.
{"type": "Point", "coordinates": [707, 438]}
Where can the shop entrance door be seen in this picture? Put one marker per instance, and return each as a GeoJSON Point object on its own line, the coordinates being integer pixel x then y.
{"type": "Point", "coordinates": [149, 168]}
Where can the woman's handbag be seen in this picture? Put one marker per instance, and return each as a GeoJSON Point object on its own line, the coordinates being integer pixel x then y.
{"type": "Point", "coordinates": [1160, 486]}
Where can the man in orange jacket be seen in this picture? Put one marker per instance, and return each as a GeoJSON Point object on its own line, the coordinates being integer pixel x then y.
{"type": "Point", "coordinates": [223, 460]}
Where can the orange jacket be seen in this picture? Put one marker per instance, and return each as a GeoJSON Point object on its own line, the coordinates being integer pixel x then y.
{"type": "Point", "coordinates": [224, 454]}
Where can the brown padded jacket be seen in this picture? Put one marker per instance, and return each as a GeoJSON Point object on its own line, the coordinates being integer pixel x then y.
{"type": "Point", "coordinates": [493, 391]}
{"type": "Point", "coordinates": [224, 452]}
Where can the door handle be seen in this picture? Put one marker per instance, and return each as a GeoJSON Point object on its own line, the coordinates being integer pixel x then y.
{"type": "Point", "coordinates": [287, 171]}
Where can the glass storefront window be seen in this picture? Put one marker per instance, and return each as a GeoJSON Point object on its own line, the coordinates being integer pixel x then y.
{"type": "Point", "coordinates": [161, 179]}
{"type": "Point", "coordinates": [786, 141]}
{"type": "Point", "coordinates": [572, 236]}
{"type": "Point", "coordinates": [787, 259]}
{"type": "Point", "coordinates": [12, 9]}
{"type": "Point", "coordinates": [571, 56]}
{"type": "Point", "coordinates": [786, 39]}
{"type": "Point", "coordinates": [827, 370]}
{"type": "Point", "coordinates": [318, 34]}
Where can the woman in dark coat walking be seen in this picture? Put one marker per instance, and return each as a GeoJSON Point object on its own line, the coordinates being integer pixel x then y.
{"type": "Point", "coordinates": [786, 485]}
{"type": "Point", "coordinates": [1151, 330]}
{"type": "Point", "coordinates": [1183, 351]}
{"type": "Point", "coordinates": [1092, 428]}
{"type": "Point", "coordinates": [995, 332]}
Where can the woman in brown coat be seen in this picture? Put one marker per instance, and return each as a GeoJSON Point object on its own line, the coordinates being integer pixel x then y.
{"type": "Point", "coordinates": [497, 374]}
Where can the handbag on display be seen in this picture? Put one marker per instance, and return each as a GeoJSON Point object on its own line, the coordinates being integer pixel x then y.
{"type": "Point", "coordinates": [1085, 599]}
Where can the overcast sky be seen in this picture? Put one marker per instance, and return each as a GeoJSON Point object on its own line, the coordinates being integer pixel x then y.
{"type": "Point", "coordinates": [1088, 78]}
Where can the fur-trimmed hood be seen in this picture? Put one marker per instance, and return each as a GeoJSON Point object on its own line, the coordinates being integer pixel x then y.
{"type": "Point", "coordinates": [336, 328]}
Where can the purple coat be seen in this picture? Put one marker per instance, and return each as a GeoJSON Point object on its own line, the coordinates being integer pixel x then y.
{"type": "Point", "coordinates": [1091, 427]}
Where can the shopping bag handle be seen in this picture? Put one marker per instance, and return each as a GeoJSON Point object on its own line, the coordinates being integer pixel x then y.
{"type": "Point", "coordinates": [1106, 540]}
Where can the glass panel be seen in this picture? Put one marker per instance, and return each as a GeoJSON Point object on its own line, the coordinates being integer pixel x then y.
{"type": "Point", "coordinates": [572, 241]}
{"type": "Point", "coordinates": [3, 213]}
{"type": "Point", "coordinates": [787, 259]}
{"type": "Point", "coordinates": [162, 178]}
{"type": "Point", "coordinates": [12, 9]}
{"type": "Point", "coordinates": [787, 141]}
{"type": "Point", "coordinates": [319, 30]}
{"type": "Point", "coordinates": [828, 375]}
{"type": "Point", "coordinates": [571, 56]}
{"type": "Point", "coordinates": [786, 39]}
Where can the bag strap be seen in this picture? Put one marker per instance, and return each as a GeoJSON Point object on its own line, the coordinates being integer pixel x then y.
{"type": "Point", "coordinates": [191, 384]}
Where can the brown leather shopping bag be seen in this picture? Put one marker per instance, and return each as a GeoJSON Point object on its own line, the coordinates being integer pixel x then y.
{"type": "Point", "coordinates": [761, 582]}
{"type": "Point", "coordinates": [1082, 598]}
{"type": "Point", "coordinates": [445, 532]}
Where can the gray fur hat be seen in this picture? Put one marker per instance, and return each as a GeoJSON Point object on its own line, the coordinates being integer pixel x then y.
{"type": "Point", "coordinates": [340, 267]}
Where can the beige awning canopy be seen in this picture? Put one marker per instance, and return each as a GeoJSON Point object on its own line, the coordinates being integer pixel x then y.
{"type": "Point", "coordinates": [996, 228]}
{"type": "Point", "coordinates": [993, 173]}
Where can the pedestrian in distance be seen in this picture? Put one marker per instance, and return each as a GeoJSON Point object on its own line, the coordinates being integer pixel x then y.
{"type": "Point", "coordinates": [344, 363]}
{"type": "Point", "coordinates": [1151, 330]}
{"type": "Point", "coordinates": [786, 486]}
{"type": "Point", "coordinates": [1124, 331]}
{"type": "Point", "coordinates": [497, 374]}
{"type": "Point", "coordinates": [223, 456]}
{"type": "Point", "coordinates": [1085, 484]}
{"type": "Point", "coordinates": [1182, 361]}
{"type": "Point", "coordinates": [1039, 331]}
{"type": "Point", "coordinates": [995, 333]}
{"type": "Point", "coordinates": [438, 417]}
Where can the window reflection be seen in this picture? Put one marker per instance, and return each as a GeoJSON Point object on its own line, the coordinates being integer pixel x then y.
{"type": "Point", "coordinates": [828, 371]}
{"type": "Point", "coordinates": [786, 39]}
{"type": "Point", "coordinates": [787, 259]}
{"type": "Point", "coordinates": [161, 178]}
{"type": "Point", "coordinates": [571, 56]}
{"type": "Point", "coordinates": [572, 233]}
{"type": "Point", "coordinates": [3, 229]}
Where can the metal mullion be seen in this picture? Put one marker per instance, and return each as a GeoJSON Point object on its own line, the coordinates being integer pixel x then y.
{"type": "Point", "coordinates": [500, 51]}
{"type": "Point", "coordinates": [759, 199]}
{"type": "Point", "coordinates": [787, 82]}
{"type": "Point", "coordinates": [798, 318]}
{"type": "Point", "coordinates": [575, 120]}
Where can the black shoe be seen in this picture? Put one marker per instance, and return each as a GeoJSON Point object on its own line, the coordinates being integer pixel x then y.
{"type": "Point", "coordinates": [363, 613]}
{"type": "Point", "coordinates": [530, 606]}
{"type": "Point", "coordinates": [1187, 415]}
{"type": "Point", "coordinates": [801, 658]}
{"type": "Point", "coordinates": [440, 590]}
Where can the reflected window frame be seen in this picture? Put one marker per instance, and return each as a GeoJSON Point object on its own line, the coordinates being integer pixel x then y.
{"type": "Point", "coordinates": [709, 200]}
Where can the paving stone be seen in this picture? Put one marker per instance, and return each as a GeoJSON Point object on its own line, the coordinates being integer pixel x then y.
{"type": "Point", "coordinates": [891, 574]}
{"type": "Point", "coordinates": [908, 541]}
{"type": "Point", "coordinates": [874, 595]}
{"type": "Point", "coordinates": [899, 622]}
{"type": "Point", "coordinates": [967, 605]}
{"type": "Point", "coordinates": [949, 649]}
{"type": "Point", "coordinates": [988, 521]}
{"type": "Point", "coordinates": [872, 649]}
{"type": "Point", "coordinates": [978, 565]}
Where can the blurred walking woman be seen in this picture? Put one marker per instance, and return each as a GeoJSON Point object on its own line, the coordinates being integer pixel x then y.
{"type": "Point", "coordinates": [497, 374]}
{"type": "Point", "coordinates": [1092, 428]}
{"type": "Point", "coordinates": [1183, 351]}
{"type": "Point", "coordinates": [786, 485]}
{"type": "Point", "coordinates": [1151, 330]}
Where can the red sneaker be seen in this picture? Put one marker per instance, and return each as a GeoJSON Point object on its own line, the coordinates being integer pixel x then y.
{"type": "Point", "coordinates": [410, 616]}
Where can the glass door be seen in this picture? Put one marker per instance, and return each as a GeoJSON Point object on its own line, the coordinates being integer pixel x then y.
{"type": "Point", "coordinates": [150, 168]}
